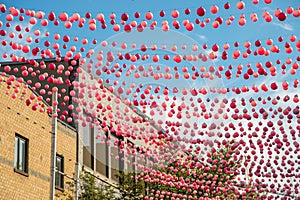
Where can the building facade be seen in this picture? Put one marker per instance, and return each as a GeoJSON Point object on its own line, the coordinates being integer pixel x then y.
{"type": "Point", "coordinates": [26, 132]}
{"type": "Point", "coordinates": [25, 143]}
{"type": "Point", "coordinates": [113, 136]}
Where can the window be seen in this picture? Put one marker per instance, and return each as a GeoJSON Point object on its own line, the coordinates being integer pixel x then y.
{"type": "Point", "coordinates": [117, 158]}
{"type": "Point", "coordinates": [114, 158]}
{"type": "Point", "coordinates": [59, 177]}
{"type": "Point", "coordinates": [101, 153]}
{"type": "Point", "coordinates": [88, 146]}
{"type": "Point", "coordinates": [21, 154]}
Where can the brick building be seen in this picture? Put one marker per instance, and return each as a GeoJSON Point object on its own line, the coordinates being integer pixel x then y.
{"type": "Point", "coordinates": [25, 143]}
{"type": "Point", "coordinates": [25, 139]}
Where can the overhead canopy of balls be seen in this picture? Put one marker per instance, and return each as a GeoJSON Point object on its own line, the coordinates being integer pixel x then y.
{"type": "Point", "coordinates": [217, 119]}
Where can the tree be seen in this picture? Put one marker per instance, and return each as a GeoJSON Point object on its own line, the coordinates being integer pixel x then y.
{"type": "Point", "coordinates": [90, 189]}
{"type": "Point", "coordinates": [129, 187]}
{"type": "Point", "coordinates": [190, 178]}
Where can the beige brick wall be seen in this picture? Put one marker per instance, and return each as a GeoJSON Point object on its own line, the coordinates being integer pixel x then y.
{"type": "Point", "coordinates": [16, 117]}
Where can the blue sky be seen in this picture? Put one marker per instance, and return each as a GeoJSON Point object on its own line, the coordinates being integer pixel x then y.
{"type": "Point", "coordinates": [130, 7]}
{"type": "Point", "coordinates": [250, 32]}
{"type": "Point", "coordinates": [119, 7]}
{"type": "Point", "coordinates": [207, 35]}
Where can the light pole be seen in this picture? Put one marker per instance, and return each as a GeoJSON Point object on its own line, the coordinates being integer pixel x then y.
{"type": "Point", "coordinates": [53, 143]}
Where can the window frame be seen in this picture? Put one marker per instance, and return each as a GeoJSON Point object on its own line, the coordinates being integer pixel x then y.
{"type": "Point", "coordinates": [17, 152]}
{"type": "Point", "coordinates": [61, 185]}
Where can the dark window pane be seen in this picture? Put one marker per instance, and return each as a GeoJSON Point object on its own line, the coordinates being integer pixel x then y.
{"type": "Point", "coordinates": [87, 148]}
{"type": "Point", "coordinates": [114, 163]}
{"type": "Point", "coordinates": [101, 153]}
{"type": "Point", "coordinates": [114, 158]}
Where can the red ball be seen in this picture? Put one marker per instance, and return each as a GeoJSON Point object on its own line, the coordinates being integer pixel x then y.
{"type": "Point", "coordinates": [226, 5]}
{"type": "Point", "coordinates": [281, 16]}
{"type": "Point", "coordinates": [201, 11]}
{"type": "Point", "coordinates": [124, 17]}
{"type": "Point", "coordinates": [187, 11]}
{"type": "Point", "coordinates": [137, 15]}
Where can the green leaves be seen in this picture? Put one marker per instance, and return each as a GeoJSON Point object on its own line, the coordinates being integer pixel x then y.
{"type": "Point", "coordinates": [91, 188]}
{"type": "Point", "coordinates": [186, 177]}
{"type": "Point", "coordinates": [130, 188]}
